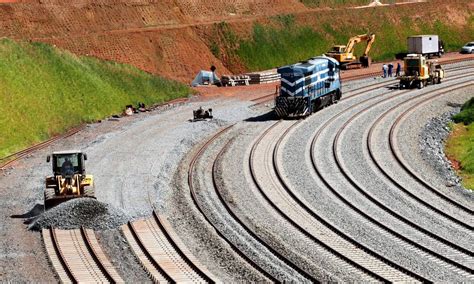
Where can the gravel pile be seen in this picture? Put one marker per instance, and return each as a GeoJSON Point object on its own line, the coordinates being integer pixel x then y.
{"type": "Point", "coordinates": [432, 139]}
{"type": "Point", "coordinates": [87, 212]}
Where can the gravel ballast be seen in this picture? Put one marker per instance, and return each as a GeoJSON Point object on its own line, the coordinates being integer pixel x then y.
{"type": "Point", "coordinates": [81, 212]}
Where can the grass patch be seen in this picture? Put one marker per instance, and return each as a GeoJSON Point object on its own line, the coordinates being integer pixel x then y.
{"type": "Point", "coordinates": [460, 144]}
{"type": "Point", "coordinates": [466, 115]}
{"type": "Point", "coordinates": [45, 91]}
{"type": "Point", "coordinates": [276, 46]}
{"type": "Point", "coordinates": [460, 147]}
{"type": "Point", "coordinates": [286, 39]}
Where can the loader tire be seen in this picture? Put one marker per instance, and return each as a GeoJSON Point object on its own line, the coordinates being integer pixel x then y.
{"type": "Point", "coordinates": [49, 195]}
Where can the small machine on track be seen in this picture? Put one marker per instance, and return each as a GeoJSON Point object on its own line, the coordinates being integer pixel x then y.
{"type": "Point", "coordinates": [201, 114]}
{"type": "Point", "coordinates": [69, 179]}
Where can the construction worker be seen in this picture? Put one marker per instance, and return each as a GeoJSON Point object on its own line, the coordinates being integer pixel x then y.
{"type": "Point", "coordinates": [399, 68]}
{"type": "Point", "coordinates": [390, 69]}
{"type": "Point", "coordinates": [384, 69]}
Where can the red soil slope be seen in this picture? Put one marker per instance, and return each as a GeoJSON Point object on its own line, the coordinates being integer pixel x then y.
{"type": "Point", "coordinates": [166, 37]}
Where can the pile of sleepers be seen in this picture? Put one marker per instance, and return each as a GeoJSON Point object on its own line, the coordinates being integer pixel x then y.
{"type": "Point", "coordinates": [231, 80]}
{"type": "Point", "coordinates": [264, 77]}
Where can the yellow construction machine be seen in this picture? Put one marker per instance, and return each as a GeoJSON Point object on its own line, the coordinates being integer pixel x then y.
{"type": "Point", "coordinates": [69, 179]}
{"type": "Point", "coordinates": [419, 72]}
{"type": "Point", "coordinates": [345, 53]}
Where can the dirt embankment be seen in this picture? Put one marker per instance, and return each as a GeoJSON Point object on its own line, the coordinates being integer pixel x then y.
{"type": "Point", "coordinates": [169, 37]}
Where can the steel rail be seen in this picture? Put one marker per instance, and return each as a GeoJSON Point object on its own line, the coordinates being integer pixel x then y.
{"type": "Point", "coordinates": [180, 252]}
{"type": "Point", "coordinates": [360, 189]}
{"type": "Point", "coordinates": [347, 202]}
{"type": "Point", "coordinates": [420, 200]}
{"type": "Point", "coordinates": [147, 254]}
{"type": "Point", "coordinates": [324, 222]}
{"type": "Point", "coordinates": [405, 166]}
{"type": "Point", "coordinates": [94, 255]}
{"type": "Point", "coordinates": [71, 260]}
{"type": "Point", "coordinates": [61, 257]}
{"type": "Point", "coordinates": [201, 210]}
{"type": "Point", "coordinates": [218, 190]}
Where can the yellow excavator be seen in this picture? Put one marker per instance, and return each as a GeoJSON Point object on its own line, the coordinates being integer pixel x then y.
{"type": "Point", "coordinates": [345, 53]}
{"type": "Point", "coordinates": [69, 179]}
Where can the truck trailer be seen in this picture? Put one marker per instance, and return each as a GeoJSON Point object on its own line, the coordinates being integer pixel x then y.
{"type": "Point", "coordinates": [426, 45]}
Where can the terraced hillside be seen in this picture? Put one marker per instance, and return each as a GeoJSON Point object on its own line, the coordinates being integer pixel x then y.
{"type": "Point", "coordinates": [178, 38]}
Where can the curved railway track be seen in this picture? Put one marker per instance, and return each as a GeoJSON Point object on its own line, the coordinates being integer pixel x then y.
{"type": "Point", "coordinates": [455, 249]}
{"type": "Point", "coordinates": [161, 253]}
{"type": "Point", "coordinates": [411, 172]}
{"type": "Point", "coordinates": [461, 267]}
{"type": "Point", "coordinates": [10, 159]}
{"type": "Point", "coordinates": [363, 249]}
{"type": "Point", "coordinates": [270, 97]}
{"type": "Point", "coordinates": [234, 246]}
{"type": "Point", "coordinates": [303, 219]}
{"type": "Point", "coordinates": [77, 257]}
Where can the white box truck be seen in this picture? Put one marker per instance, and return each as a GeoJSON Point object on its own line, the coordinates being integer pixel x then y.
{"type": "Point", "coordinates": [427, 45]}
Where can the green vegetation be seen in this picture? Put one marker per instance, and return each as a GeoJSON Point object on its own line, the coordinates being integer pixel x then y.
{"type": "Point", "coordinates": [276, 46]}
{"type": "Point", "coordinates": [466, 115]}
{"type": "Point", "coordinates": [286, 39]}
{"type": "Point", "coordinates": [44, 91]}
{"type": "Point", "coordinates": [460, 148]}
{"type": "Point", "coordinates": [460, 144]}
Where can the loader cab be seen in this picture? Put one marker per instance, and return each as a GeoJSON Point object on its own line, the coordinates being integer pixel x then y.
{"type": "Point", "coordinates": [68, 162]}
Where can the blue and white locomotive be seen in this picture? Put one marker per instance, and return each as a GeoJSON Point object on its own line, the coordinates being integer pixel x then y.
{"type": "Point", "coordinates": [308, 86]}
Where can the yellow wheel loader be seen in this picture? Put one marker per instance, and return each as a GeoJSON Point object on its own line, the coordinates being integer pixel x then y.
{"type": "Point", "coordinates": [69, 179]}
{"type": "Point", "coordinates": [345, 53]}
{"type": "Point", "coordinates": [419, 72]}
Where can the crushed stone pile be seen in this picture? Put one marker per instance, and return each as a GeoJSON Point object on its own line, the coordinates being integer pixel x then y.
{"type": "Point", "coordinates": [432, 139]}
{"type": "Point", "coordinates": [86, 212]}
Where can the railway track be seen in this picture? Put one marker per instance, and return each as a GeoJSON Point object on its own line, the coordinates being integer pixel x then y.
{"type": "Point", "coordinates": [77, 257]}
{"type": "Point", "coordinates": [393, 276]}
{"type": "Point", "coordinates": [235, 246]}
{"type": "Point", "coordinates": [355, 257]}
{"type": "Point", "coordinates": [411, 172]}
{"type": "Point", "coordinates": [390, 82]}
{"type": "Point", "coordinates": [457, 265]}
{"type": "Point", "coordinates": [162, 254]}
{"type": "Point", "coordinates": [10, 159]}
{"type": "Point", "coordinates": [396, 153]}
{"type": "Point", "coordinates": [455, 251]}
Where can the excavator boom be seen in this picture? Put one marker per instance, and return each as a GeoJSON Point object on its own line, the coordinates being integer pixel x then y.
{"type": "Point", "coordinates": [347, 57]}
